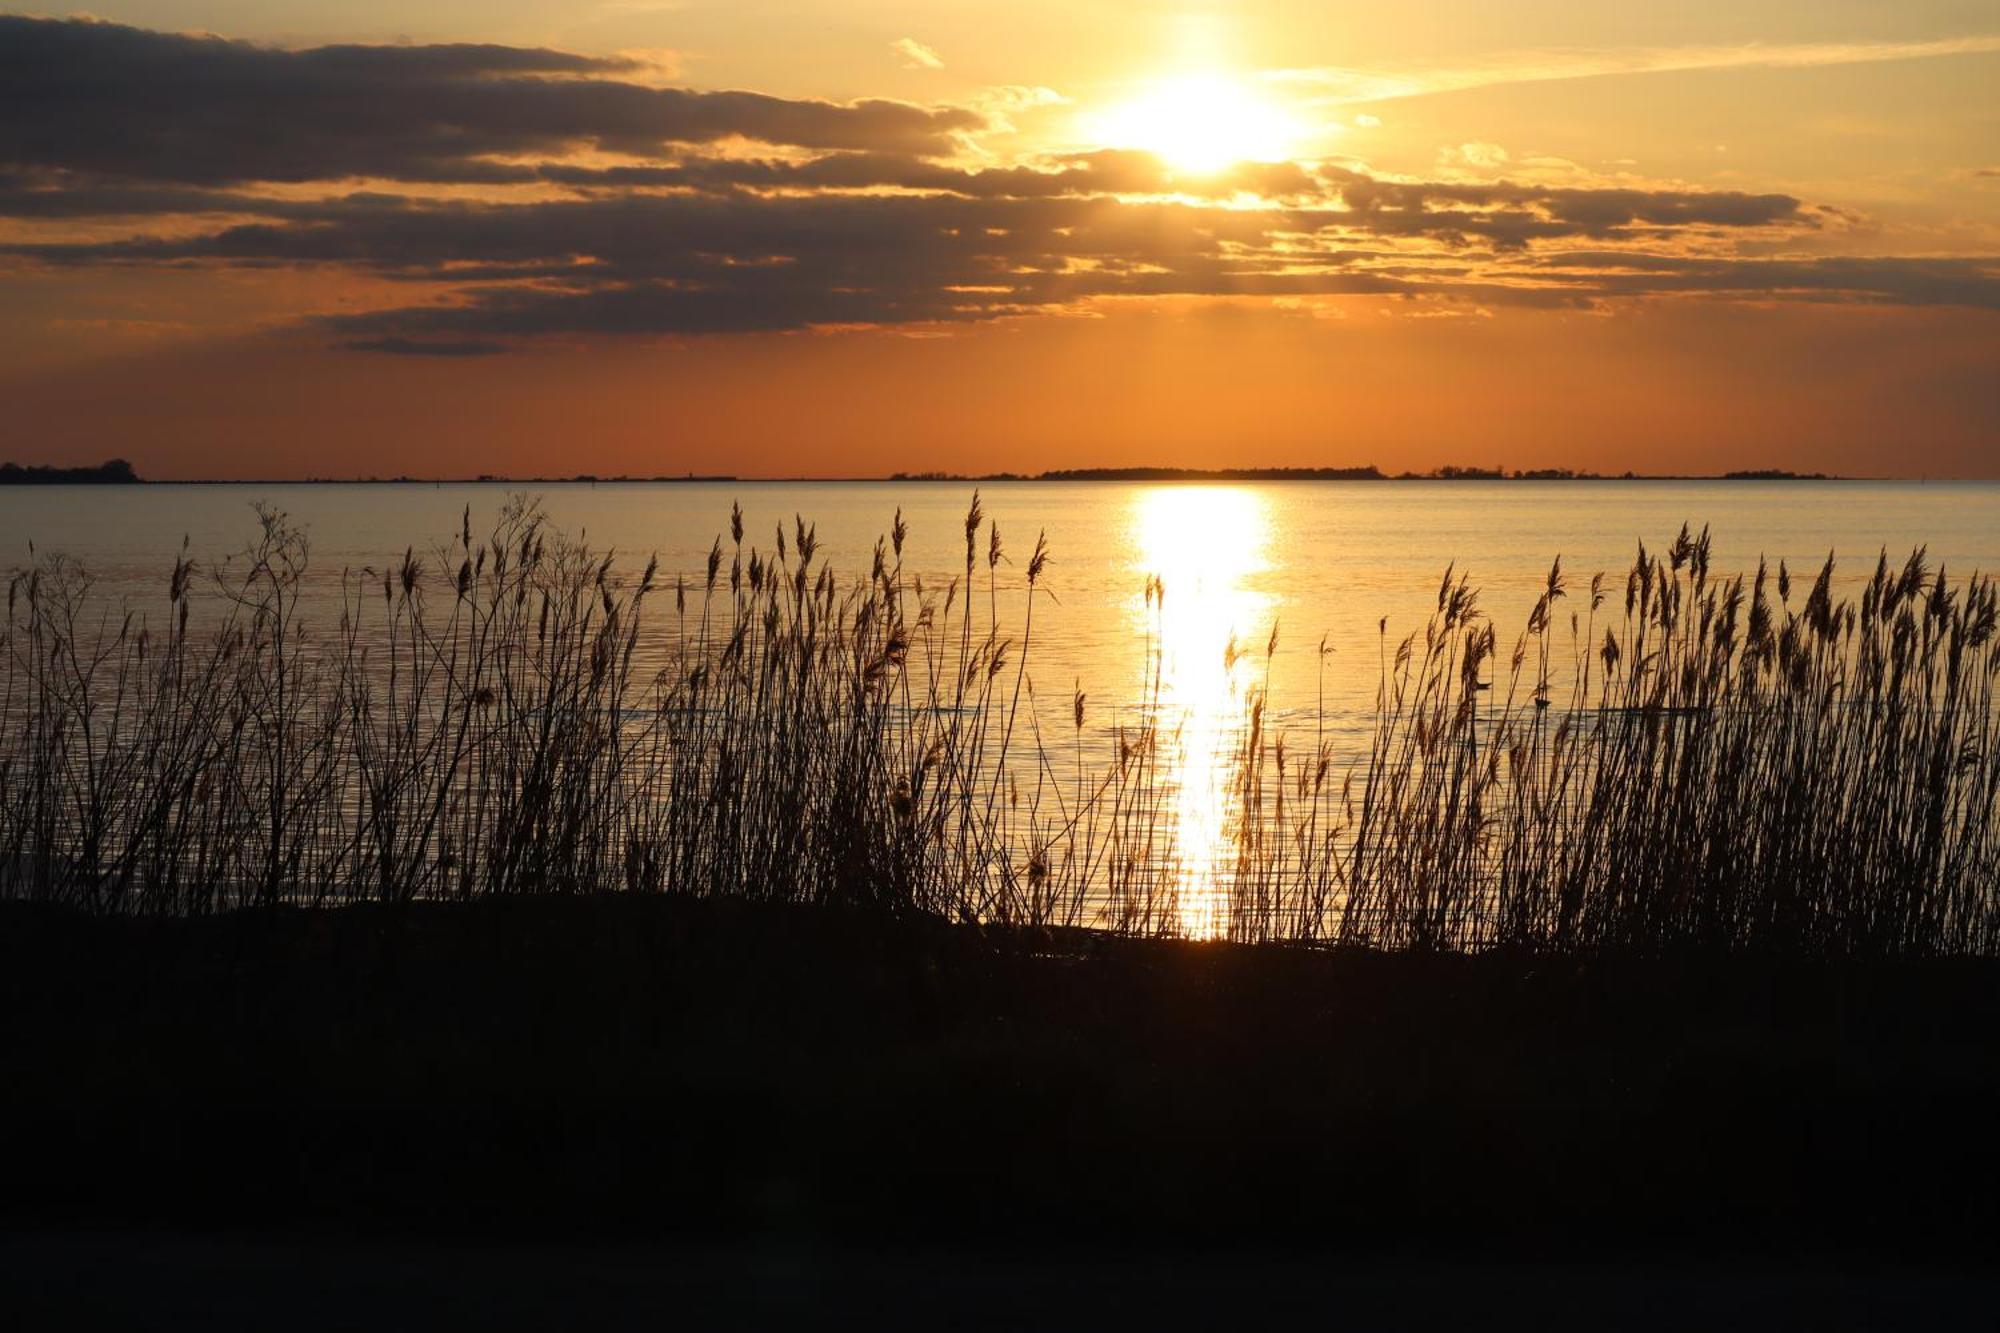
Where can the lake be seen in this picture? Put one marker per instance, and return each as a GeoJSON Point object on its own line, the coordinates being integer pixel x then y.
{"type": "Point", "coordinates": [1317, 559]}
{"type": "Point", "coordinates": [1341, 570]}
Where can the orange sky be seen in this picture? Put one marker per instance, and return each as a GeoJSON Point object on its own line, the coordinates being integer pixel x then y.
{"type": "Point", "coordinates": [1684, 246]}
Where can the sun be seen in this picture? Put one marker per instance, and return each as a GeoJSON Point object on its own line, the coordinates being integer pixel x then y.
{"type": "Point", "coordinates": [1199, 122]}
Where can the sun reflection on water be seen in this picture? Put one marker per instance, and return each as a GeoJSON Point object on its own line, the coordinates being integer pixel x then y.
{"type": "Point", "coordinates": [1205, 543]}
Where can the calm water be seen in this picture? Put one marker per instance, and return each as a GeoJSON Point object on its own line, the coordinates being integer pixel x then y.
{"type": "Point", "coordinates": [1318, 559]}
{"type": "Point", "coordinates": [1325, 562]}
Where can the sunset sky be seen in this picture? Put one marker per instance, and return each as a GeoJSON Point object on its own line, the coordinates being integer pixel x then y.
{"type": "Point", "coordinates": [848, 237]}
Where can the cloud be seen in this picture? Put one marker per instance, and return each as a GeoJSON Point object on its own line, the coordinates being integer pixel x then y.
{"type": "Point", "coordinates": [1107, 171]}
{"type": "Point", "coordinates": [412, 347]}
{"type": "Point", "coordinates": [737, 212]}
{"type": "Point", "coordinates": [45, 194]}
{"type": "Point", "coordinates": [721, 210]}
{"type": "Point", "coordinates": [916, 55]}
{"type": "Point", "coordinates": [1513, 214]}
{"type": "Point", "coordinates": [99, 97]}
{"type": "Point", "coordinates": [1478, 155]}
{"type": "Point", "coordinates": [1917, 281]}
{"type": "Point", "coordinates": [1338, 84]}
{"type": "Point", "coordinates": [732, 261]}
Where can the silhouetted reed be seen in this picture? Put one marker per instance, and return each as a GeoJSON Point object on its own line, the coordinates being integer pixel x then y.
{"type": "Point", "coordinates": [1731, 770]}
{"type": "Point", "coordinates": [1698, 763]}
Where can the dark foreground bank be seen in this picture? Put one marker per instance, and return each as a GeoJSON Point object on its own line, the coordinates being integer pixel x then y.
{"type": "Point", "coordinates": [621, 1068]}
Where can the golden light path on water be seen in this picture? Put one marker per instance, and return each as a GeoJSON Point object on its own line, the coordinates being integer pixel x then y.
{"type": "Point", "coordinates": [1205, 544]}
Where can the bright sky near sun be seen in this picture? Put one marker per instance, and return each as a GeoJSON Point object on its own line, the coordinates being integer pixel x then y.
{"type": "Point", "coordinates": [1198, 121]}
{"type": "Point", "coordinates": [1585, 235]}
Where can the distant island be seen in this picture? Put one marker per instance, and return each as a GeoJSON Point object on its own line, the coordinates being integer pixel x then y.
{"type": "Point", "coordinates": [1367, 473]}
{"type": "Point", "coordinates": [1229, 474]}
{"type": "Point", "coordinates": [116, 472]}
{"type": "Point", "coordinates": [1776, 474]}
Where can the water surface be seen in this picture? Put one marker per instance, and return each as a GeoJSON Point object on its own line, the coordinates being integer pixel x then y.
{"type": "Point", "coordinates": [1337, 571]}
{"type": "Point", "coordinates": [1316, 558]}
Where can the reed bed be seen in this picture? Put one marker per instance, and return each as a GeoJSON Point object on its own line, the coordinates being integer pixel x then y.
{"type": "Point", "coordinates": [1690, 763]}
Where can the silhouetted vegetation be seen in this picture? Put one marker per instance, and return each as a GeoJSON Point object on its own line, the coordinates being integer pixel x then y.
{"type": "Point", "coordinates": [720, 1070]}
{"type": "Point", "coordinates": [1214, 474]}
{"type": "Point", "coordinates": [1722, 764]}
{"type": "Point", "coordinates": [115, 472]}
{"type": "Point", "coordinates": [959, 476]}
{"type": "Point", "coordinates": [1456, 473]}
{"type": "Point", "coordinates": [746, 906]}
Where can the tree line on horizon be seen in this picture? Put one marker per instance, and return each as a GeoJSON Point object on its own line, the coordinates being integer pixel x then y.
{"type": "Point", "coordinates": [120, 471]}
{"type": "Point", "coordinates": [1369, 472]}
{"type": "Point", "coordinates": [114, 471]}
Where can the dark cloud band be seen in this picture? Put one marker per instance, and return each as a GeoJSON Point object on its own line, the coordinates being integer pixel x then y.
{"type": "Point", "coordinates": [860, 219]}
{"type": "Point", "coordinates": [97, 97]}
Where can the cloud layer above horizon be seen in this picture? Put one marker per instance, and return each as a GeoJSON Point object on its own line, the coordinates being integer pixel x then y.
{"type": "Point", "coordinates": [490, 195]}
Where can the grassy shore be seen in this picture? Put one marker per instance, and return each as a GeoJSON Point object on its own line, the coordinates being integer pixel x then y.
{"type": "Point", "coordinates": [782, 921]}
{"type": "Point", "coordinates": [650, 1065]}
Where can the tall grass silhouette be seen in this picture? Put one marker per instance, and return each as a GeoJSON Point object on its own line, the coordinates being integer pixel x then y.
{"type": "Point", "coordinates": [1694, 763]}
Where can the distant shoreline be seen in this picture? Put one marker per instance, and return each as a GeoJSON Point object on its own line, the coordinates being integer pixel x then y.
{"type": "Point", "coordinates": [1115, 475]}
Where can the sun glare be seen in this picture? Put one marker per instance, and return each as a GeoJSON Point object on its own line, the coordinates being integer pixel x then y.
{"type": "Point", "coordinates": [1206, 545]}
{"type": "Point", "coordinates": [1199, 123]}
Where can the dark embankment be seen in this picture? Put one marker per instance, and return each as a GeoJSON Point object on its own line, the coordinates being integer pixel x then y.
{"type": "Point", "coordinates": [656, 1066]}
